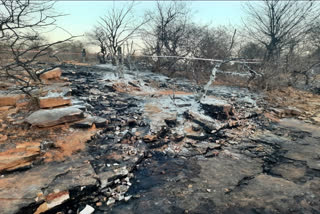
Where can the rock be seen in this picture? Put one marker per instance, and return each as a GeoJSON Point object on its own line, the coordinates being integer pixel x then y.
{"type": "Point", "coordinates": [10, 99]}
{"type": "Point", "coordinates": [292, 111]}
{"type": "Point", "coordinates": [217, 109]}
{"type": "Point", "coordinates": [108, 177]}
{"type": "Point", "coordinates": [85, 123]}
{"type": "Point", "coordinates": [53, 200]}
{"type": "Point", "coordinates": [57, 89]}
{"type": "Point", "coordinates": [177, 137]}
{"type": "Point", "coordinates": [211, 153]}
{"type": "Point", "coordinates": [89, 121]}
{"type": "Point", "coordinates": [3, 138]}
{"type": "Point", "coordinates": [45, 145]}
{"type": "Point", "coordinates": [52, 117]}
{"type": "Point", "coordinates": [23, 103]}
{"type": "Point", "coordinates": [207, 123]}
{"type": "Point", "coordinates": [289, 171]}
{"type": "Point", "coordinates": [271, 190]}
{"type": "Point", "coordinates": [150, 138]}
{"type": "Point", "coordinates": [271, 117]}
{"type": "Point", "coordinates": [52, 74]}
{"type": "Point", "coordinates": [5, 108]}
{"type": "Point", "coordinates": [95, 91]}
{"type": "Point", "coordinates": [87, 210]}
{"type": "Point", "coordinates": [194, 131]}
{"type": "Point", "coordinates": [100, 122]}
{"type": "Point", "coordinates": [21, 156]}
{"type": "Point", "coordinates": [51, 183]}
{"type": "Point", "coordinates": [171, 121]}
{"type": "Point", "coordinates": [50, 102]}
{"type": "Point", "coordinates": [111, 201]}
{"type": "Point", "coordinates": [316, 117]}
{"type": "Point", "coordinates": [127, 198]}
{"type": "Point", "coordinates": [270, 139]}
{"type": "Point", "coordinates": [279, 112]}
{"type": "Point", "coordinates": [81, 107]}
{"type": "Point", "coordinates": [247, 100]}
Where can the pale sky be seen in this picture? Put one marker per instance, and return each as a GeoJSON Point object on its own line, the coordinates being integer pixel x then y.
{"type": "Point", "coordinates": [83, 15]}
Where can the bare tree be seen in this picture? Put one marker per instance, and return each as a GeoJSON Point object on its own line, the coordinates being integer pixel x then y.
{"type": "Point", "coordinates": [22, 22]}
{"type": "Point", "coordinates": [119, 26]}
{"type": "Point", "coordinates": [314, 39]}
{"type": "Point", "coordinates": [99, 38]}
{"type": "Point", "coordinates": [276, 23]}
{"type": "Point", "coordinates": [252, 50]}
{"type": "Point", "coordinates": [167, 33]}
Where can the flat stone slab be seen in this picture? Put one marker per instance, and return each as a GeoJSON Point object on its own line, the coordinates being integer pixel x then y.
{"type": "Point", "coordinates": [48, 185]}
{"type": "Point", "coordinates": [273, 195]}
{"type": "Point", "coordinates": [21, 156]}
{"type": "Point", "coordinates": [10, 99]}
{"type": "Point", "coordinates": [50, 102]}
{"type": "Point", "coordinates": [52, 74]}
{"type": "Point", "coordinates": [5, 108]}
{"type": "Point", "coordinates": [52, 117]}
{"type": "Point", "coordinates": [205, 122]}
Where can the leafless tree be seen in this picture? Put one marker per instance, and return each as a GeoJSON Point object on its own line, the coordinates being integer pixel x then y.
{"type": "Point", "coordinates": [119, 26]}
{"type": "Point", "coordinates": [252, 50]}
{"type": "Point", "coordinates": [167, 32]}
{"type": "Point", "coordinates": [314, 39]}
{"type": "Point", "coordinates": [22, 22]}
{"type": "Point", "coordinates": [209, 43]}
{"type": "Point", "coordinates": [99, 38]}
{"type": "Point", "coordinates": [276, 23]}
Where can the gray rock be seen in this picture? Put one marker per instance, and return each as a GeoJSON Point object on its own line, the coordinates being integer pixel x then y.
{"type": "Point", "coordinates": [205, 122]}
{"type": "Point", "coordinates": [100, 122]}
{"type": "Point", "coordinates": [108, 177]}
{"type": "Point", "coordinates": [85, 123]}
{"type": "Point", "coordinates": [52, 117]}
{"type": "Point", "coordinates": [44, 183]}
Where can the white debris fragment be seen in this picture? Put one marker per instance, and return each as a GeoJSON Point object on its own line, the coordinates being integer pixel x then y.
{"type": "Point", "coordinates": [87, 210]}
{"type": "Point", "coordinates": [111, 201]}
{"type": "Point", "coordinates": [127, 198]}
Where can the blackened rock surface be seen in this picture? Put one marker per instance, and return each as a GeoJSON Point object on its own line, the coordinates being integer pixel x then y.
{"type": "Point", "coordinates": [217, 109]}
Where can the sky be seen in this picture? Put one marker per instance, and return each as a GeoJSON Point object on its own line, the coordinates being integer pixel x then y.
{"type": "Point", "coordinates": [83, 15]}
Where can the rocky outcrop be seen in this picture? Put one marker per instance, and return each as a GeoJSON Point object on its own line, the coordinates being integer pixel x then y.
{"type": "Point", "coordinates": [89, 121]}
{"type": "Point", "coordinates": [201, 156]}
{"type": "Point", "coordinates": [51, 75]}
{"type": "Point", "coordinates": [51, 102]}
{"type": "Point", "coordinates": [10, 99]}
{"type": "Point", "coordinates": [217, 109]}
{"type": "Point", "coordinates": [20, 157]}
{"type": "Point", "coordinates": [47, 185]}
{"type": "Point", "coordinates": [52, 117]}
{"type": "Point", "coordinates": [205, 122]}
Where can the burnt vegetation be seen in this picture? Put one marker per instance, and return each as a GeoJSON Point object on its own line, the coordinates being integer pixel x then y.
{"type": "Point", "coordinates": [22, 24]}
{"type": "Point", "coordinates": [276, 46]}
{"type": "Point", "coordinates": [279, 39]}
{"type": "Point", "coordinates": [151, 112]}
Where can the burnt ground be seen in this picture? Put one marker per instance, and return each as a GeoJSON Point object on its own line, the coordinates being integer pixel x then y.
{"type": "Point", "coordinates": [163, 153]}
